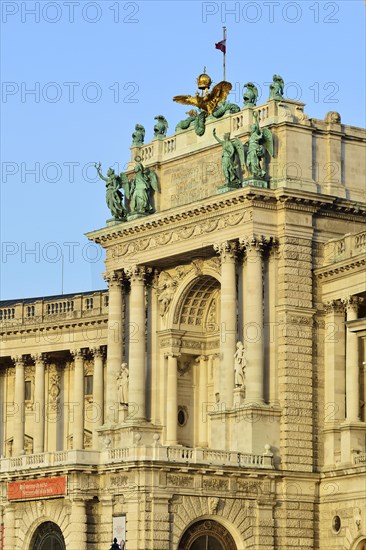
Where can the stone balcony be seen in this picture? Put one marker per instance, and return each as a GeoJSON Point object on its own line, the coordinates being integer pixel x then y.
{"type": "Point", "coordinates": [348, 247]}
{"type": "Point", "coordinates": [128, 455]}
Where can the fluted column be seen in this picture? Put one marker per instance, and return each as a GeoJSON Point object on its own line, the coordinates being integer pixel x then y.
{"type": "Point", "coordinates": [98, 393]}
{"type": "Point", "coordinates": [172, 399]}
{"type": "Point", "coordinates": [114, 343]}
{"type": "Point", "coordinates": [19, 397]}
{"type": "Point", "coordinates": [137, 344]}
{"type": "Point", "coordinates": [78, 402]}
{"type": "Point", "coordinates": [253, 329]}
{"type": "Point", "coordinates": [202, 400]}
{"type": "Point", "coordinates": [352, 368]}
{"type": "Point", "coordinates": [228, 333]}
{"type": "Point", "coordinates": [39, 401]}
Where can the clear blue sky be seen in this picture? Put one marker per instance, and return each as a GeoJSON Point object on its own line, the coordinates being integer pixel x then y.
{"type": "Point", "coordinates": [98, 68]}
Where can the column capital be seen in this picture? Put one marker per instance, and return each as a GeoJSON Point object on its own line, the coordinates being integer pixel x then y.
{"type": "Point", "coordinates": [77, 353]}
{"type": "Point", "coordinates": [18, 360]}
{"type": "Point", "coordinates": [172, 354]}
{"type": "Point", "coordinates": [352, 302]}
{"type": "Point", "coordinates": [200, 358]}
{"type": "Point", "coordinates": [254, 243]}
{"type": "Point", "coordinates": [97, 352]}
{"type": "Point", "coordinates": [39, 358]}
{"type": "Point", "coordinates": [114, 279]}
{"type": "Point", "coordinates": [227, 250]}
{"type": "Point", "coordinates": [334, 306]}
{"type": "Point", "coordinates": [136, 273]}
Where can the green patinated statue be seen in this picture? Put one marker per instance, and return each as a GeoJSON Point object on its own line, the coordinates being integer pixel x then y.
{"type": "Point", "coordinates": [253, 148]}
{"type": "Point", "coordinates": [161, 127]}
{"type": "Point", "coordinates": [232, 160]}
{"type": "Point", "coordinates": [138, 136]}
{"type": "Point", "coordinates": [187, 122]}
{"type": "Point", "coordinates": [225, 107]}
{"type": "Point", "coordinates": [114, 196]}
{"type": "Point", "coordinates": [139, 189]}
{"type": "Point", "coordinates": [276, 88]}
{"type": "Point", "coordinates": [250, 96]}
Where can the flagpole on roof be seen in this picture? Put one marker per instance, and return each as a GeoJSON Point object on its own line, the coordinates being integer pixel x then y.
{"type": "Point", "coordinates": [224, 58]}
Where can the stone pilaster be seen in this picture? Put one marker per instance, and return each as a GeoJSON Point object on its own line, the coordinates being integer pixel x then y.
{"type": "Point", "coordinates": [9, 528]}
{"type": "Point", "coordinates": [137, 345]}
{"type": "Point", "coordinates": [253, 328]}
{"type": "Point", "coordinates": [77, 536]}
{"type": "Point", "coordinates": [202, 401]}
{"type": "Point", "coordinates": [352, 368]}
{"type": "Point", "coordinates": [334, 378]}
{"type": "Point", "coordinates": [172, 399]}
{"type": "Point", "coordinates": [78, 400]}
{"type": "Point", "coordinates": [98, 393]}
{"type": "Point", "coordinates": [228, 328]}
{"type": "Point", "coordinates": [114, 343]}
{"type": "Point", "coordinates": [295, 343]}
{"type": "Point", "coordinates": [19, 413]}
{"type": "Point", "coordinates": [39, 401]}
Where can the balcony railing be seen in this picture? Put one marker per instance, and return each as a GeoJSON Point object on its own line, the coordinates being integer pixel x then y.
{"type": "Point", "coordinates": [153, 453]}
{"type": "Point", "coordinates": [349, 246]}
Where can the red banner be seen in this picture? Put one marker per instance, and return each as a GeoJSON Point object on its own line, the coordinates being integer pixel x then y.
{"type": "Point", "coordinates": [37, 488]}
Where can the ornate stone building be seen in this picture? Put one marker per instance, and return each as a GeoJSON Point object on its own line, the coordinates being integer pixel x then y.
{"type": "Point", "coordinates": [191, 451]}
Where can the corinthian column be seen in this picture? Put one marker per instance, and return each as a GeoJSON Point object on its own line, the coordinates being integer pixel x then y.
{"type": "Point", "coordinates": [172, 399]}
{"type": "Point", "coordinates": [39, 400]}
{"type": "Point", "coordinates": [78, 404]}
{"type": "Point", "coordinates": [114, 342]}
{"type": "Point", "coordinates": [253, 329]}
{"type": "Point", "coordinates": [137, 349]}
{"type": "Point", "coordinates": [98, 393]}
{"type": "Point", "coordinates": [352, 368]}
{"type": "Point", "coordinates": [19, 397]}
{"type": "Point", "coordinates": [227, 251]}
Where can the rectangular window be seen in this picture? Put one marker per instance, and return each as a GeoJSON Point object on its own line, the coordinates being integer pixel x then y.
{"type": "Point", "coordinates": [28, 390]}
{"type": "Point", "coordinates": [88, 385]}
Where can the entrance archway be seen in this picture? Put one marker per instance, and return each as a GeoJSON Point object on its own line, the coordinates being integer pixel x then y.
{"type": "Point", "coordinates": [207, 535]}
{"type": "Point", "coordinates": [361, 545]}
{"type": "Point", "coordinates": [48, 536]}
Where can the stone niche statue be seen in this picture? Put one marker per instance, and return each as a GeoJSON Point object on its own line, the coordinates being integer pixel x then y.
{"type": "Point", "coordinates": [138, 136]}
{"type": "Point", "coordinates": [161, 127]}
{"type": "Point", "coordinates": [114, 198]}
{"type": "Point", "coordinates": [276, 88]}
{"type": "Point", "coordinates": [122, 381]}
{"type": "Point", "coordinates": [232, 160]}
{"type": "Point", "coordinates": [139, 189]}
{"type": "Point", "coordinates": [250, 95]}
{"type": "Point", "coordinates": [254, 148]}
{"type": "Point", "coordinates": [239, 365]}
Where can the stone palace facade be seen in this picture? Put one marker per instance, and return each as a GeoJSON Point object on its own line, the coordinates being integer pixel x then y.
{"type": "Point", "coordinates": [188, 453]}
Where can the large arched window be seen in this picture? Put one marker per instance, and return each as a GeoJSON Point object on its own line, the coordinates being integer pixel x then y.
{"type": "Point", "coordinates": [48, 536]}
{"type": "Point", "coordinates": [207, 535]}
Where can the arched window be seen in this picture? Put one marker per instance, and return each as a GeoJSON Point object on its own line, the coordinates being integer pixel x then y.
{"type": "Point", "coordinates": [48, 536]}
{"type": "Point", "coordinates": [207, 535]}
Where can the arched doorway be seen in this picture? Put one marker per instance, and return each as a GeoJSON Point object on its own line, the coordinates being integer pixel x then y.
{"type": "Point", "coordinates": [207, 535]}
{"type": "Point", "coordinates": [48, 536]}
{"type": "Point", "coordinates": [361, 545]}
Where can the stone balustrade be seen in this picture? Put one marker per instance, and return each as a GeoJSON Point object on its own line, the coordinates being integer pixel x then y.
{"type": "Point", "coordinates": [158, 453]}
{"type": "Point", "coordinates": [348, 247]}
{"type": "Point", "coordinates": [47, 310]}
{"type": "Point", "coordinates": [173, 146]}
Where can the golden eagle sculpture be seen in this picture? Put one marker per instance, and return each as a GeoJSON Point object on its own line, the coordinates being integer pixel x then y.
{"type": "Point", "coordinates": [208, 101]}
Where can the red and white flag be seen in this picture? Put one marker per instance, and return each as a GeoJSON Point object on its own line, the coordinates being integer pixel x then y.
{"type": "Point", "coordinates": [221, 46]}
